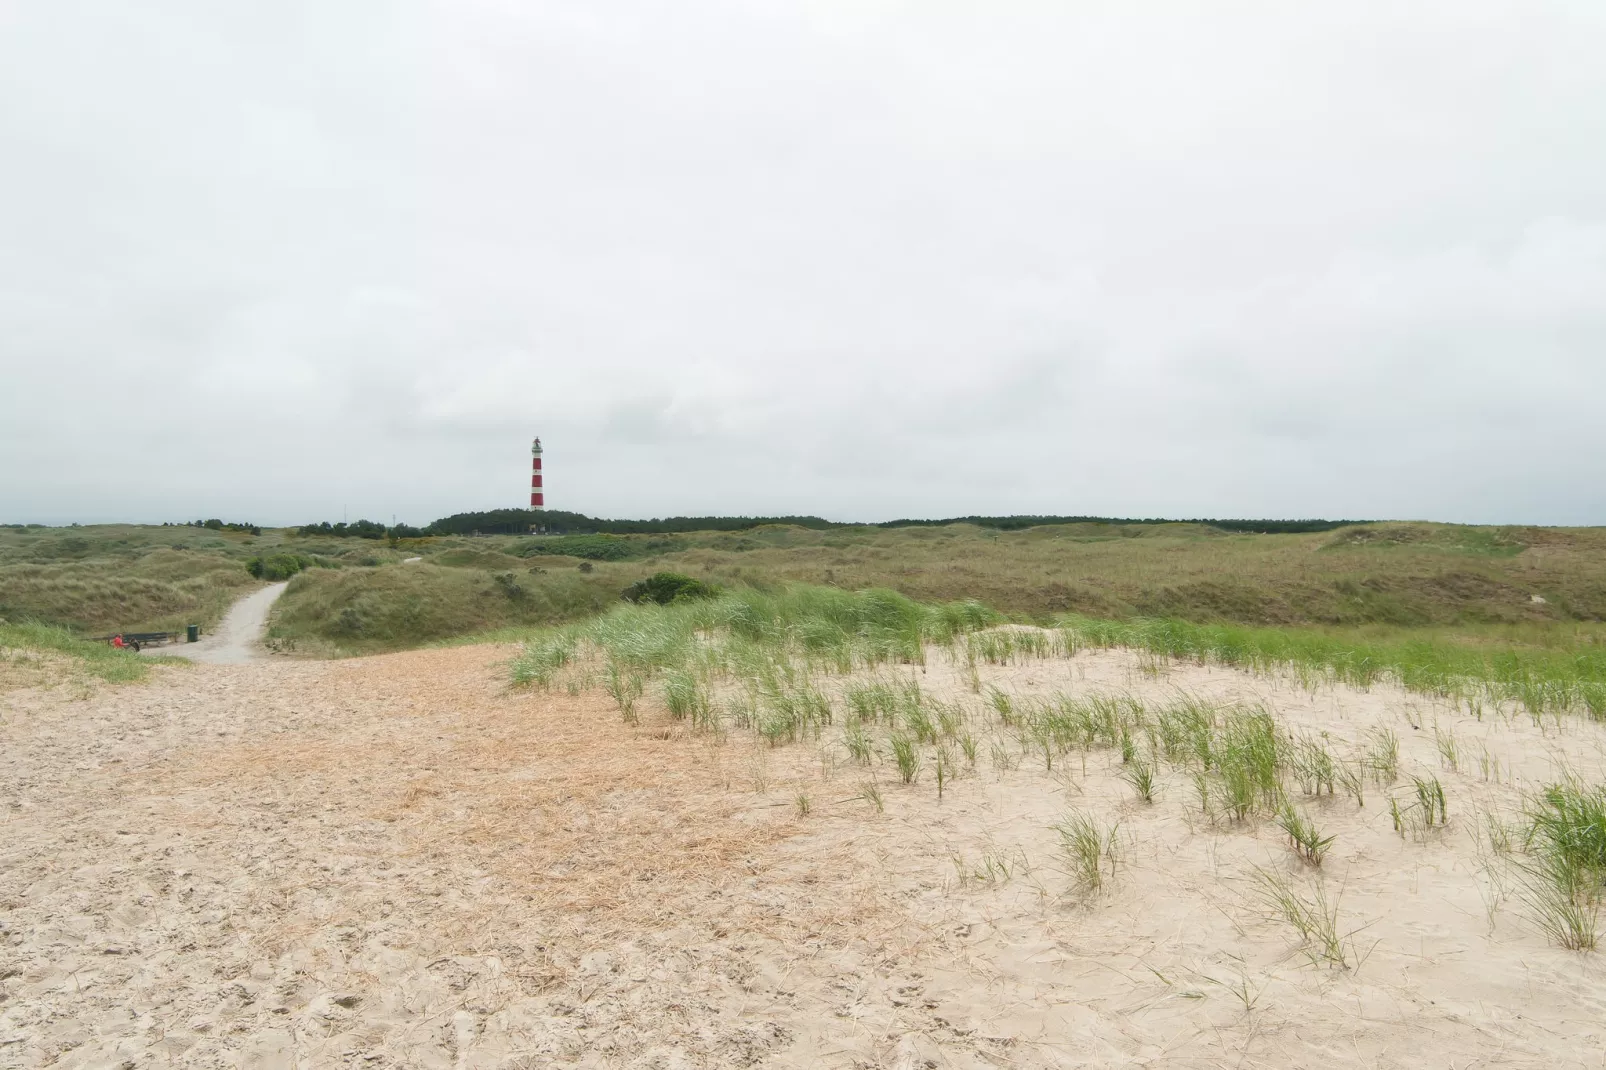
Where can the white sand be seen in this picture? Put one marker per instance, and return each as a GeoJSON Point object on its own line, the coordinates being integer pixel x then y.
{"type": "Point", "coordinates": [396, 861]}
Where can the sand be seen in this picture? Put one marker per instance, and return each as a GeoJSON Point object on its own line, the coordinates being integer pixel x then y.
{"type": "Point", "coordinates": [398, 861]}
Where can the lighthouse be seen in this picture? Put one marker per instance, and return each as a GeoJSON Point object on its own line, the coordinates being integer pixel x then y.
{"type": "Point", "coordinates": [537, 498]}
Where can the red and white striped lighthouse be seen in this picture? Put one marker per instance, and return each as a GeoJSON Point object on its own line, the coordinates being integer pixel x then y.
{"type": "Point", "coordinates": [537, 498]}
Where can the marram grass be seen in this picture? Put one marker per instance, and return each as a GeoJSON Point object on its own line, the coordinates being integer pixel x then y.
{"type": "Point", "coordinates": [790, 664]}
{"type": "Point", "coordinates": [767, 637]}
{"type": "Point", "coordinates": [98, 660]}
{"type": "Point", "coordinates": [772, 638]}
{"type": "Point", "coordinates": [1541, 680]}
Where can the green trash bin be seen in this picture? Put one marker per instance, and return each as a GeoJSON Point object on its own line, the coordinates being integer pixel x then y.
{"type": "Point", "coordinates": [192, 633]}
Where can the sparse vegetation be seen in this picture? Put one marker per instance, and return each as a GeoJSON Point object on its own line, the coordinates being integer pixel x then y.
{"type": "Point", "coordinates": [1449, 754]}
{"type": "Point", "coordinates": [1303, 834]}
{"type": "Point", "coordinates": [1088, 845]}
{"type": "Point", "coordinates": [1383, 759]}
{"type": "Point", "coordinates": [1565, 872]}
{"type": "Point", "coordinates": [871, 793]}
{"type": "Point", "coordinates": [995, 866]}
{"type": "Point", "coordinates": [1314, 918]}
{"type": "Point", "coordinates": [1140, 774]}
{"type": "Point", "coordinates": [1423, 811]}
{"type": "Point", "coordinates": [906, 757]}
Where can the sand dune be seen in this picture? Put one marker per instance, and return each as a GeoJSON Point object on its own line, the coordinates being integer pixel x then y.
{"type": "Point", "coordinates": [397, 861]}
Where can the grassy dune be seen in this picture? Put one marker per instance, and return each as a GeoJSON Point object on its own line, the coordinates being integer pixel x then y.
{"type": "Point", "coordinates": [21, 647]}
{"type": "Point", "coordinates": [1391, 574]}
{"type": "Point", "coordinates": [1369, 583]}
{"type": "Point", "coordinates": [1373, 583]}
{"type": "Point", "coordinates": [125, 577]}
{"type": "Point", "coordinates": [120, 578]}
{"type": "Point", "coordinates": [354, 611]}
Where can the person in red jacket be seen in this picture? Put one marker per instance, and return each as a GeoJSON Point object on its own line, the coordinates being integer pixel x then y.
{"type": "Point", "coordinates": [117, 641]}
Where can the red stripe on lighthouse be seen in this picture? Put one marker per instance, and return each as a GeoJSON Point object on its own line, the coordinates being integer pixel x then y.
{"type": "Point", "coordinates": [537, 497]}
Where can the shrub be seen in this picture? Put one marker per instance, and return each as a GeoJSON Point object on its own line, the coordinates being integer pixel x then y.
{"type": "Point", "coordinates": [590, 547]}
{"type": "Point", "coordinates": [278, 566]}
{"type": "Point", "coordinates": [666, 587]}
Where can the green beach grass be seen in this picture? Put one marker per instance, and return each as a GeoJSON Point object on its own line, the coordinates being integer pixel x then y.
{"type": "Point", "coordinates": [97, 660]}
{"type": "Point", "coordinates": [747, 631]}
{"type": "Point", "coordinates": [1542, 679]}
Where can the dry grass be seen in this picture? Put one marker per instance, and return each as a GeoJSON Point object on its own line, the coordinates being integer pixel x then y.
{"type": "Point", "coordinates": [1414, 575]}
{"type": "Point", "coordinates": [1440, 582]}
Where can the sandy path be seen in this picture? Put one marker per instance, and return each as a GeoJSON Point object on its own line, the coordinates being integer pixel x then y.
{"type": "Point", "coordinates": [238, 638]}
{"type": "Point", "coordinates": [397, 861]}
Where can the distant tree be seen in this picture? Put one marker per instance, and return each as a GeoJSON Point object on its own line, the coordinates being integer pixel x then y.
{"type": "Point", "coordinates": [559, 522]}
{"type": "Point", "coordinates": [361, 529]}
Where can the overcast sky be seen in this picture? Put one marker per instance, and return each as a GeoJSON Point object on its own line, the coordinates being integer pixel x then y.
{"type": "Point", "coordinates": [277, 260]}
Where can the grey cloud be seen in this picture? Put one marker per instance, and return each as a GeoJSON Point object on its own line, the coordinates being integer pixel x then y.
{"type": "Point", "coordinates": [862, 259]}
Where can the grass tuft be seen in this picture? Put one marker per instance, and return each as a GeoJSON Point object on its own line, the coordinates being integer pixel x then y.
{"type": "Point", "coordinates": [1306, 838]}
{"type": "Point", "coordinates": [1140, 774]}
{"type": "Point", "coordinates": [1087, 846]}
{"type": "Point", "coordinates": [1383, 759]}
{"type": "Point", "coordinates": [906, 756]}
{"type": "Point", "coordinates": [1315, 918]}
{"type": "Point", "coordinates": [1562, 882]}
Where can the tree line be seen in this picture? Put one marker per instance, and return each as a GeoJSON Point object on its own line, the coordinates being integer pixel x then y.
{"type": "Point", "coordinates": [559, 522]}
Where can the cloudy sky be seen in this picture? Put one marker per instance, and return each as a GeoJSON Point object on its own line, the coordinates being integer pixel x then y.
{"type": "Point", "coordinates": [276, 260]}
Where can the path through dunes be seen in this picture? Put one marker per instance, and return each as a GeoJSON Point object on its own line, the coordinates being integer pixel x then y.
{"type": "Point", "coordinates": [397, 861]}
{"type": "Point", "coordinates": [238, 638]}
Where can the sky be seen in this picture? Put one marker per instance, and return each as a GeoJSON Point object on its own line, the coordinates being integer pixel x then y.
{"type": "Point", "coordinates": [291, 261]}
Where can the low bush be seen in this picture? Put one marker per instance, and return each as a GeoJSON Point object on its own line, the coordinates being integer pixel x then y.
{"type": "Point", "coordinates": [277, 567]}
{"type": "Point", "coordinates": [588, 547]}
{"type": "Point", "coordinates": [666, 587]}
